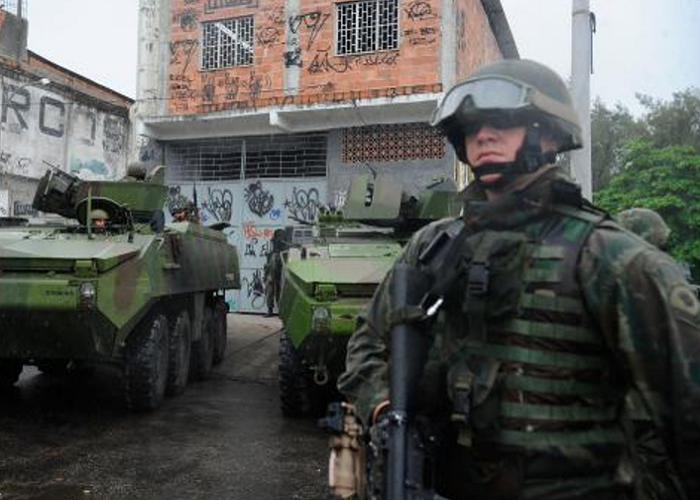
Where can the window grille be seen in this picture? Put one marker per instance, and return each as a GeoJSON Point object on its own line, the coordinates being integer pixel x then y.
{"type": "Point", "coordinates": [228, 42]}
{"type": "Point", "coordinates": [386, 143]}
{"type": "Point", "coordinates": [298, 155]}
{"type": "Point", "coordinates": [367, 26]}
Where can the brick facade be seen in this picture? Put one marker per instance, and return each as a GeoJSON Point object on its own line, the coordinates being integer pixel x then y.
{"type": "Point", "coordinates": [302, 44]}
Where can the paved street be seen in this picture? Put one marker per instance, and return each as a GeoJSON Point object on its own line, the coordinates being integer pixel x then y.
{"type": "Point", "coordinates": [69, 438]}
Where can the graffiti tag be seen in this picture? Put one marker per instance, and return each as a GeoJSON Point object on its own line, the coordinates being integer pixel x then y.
{"type": "Point", "coordinates": [259, 200]}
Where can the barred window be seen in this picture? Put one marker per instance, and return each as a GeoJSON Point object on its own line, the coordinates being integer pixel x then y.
{"type": "Point", "coordinates": [234, 158]}
{"type": "Point", "coordinates": [228, 42]}
{"type": "Point", "coordinates": [367, 26]}
{"type": "Point", "coordinates": [385, 143]}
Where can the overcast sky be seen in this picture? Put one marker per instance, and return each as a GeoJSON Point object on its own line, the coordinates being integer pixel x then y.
{"type": "Point", "coordinates": [647, 46]}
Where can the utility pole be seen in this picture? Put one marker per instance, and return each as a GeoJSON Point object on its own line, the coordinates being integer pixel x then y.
{"type": "Point", "coordinates": [581, 51]}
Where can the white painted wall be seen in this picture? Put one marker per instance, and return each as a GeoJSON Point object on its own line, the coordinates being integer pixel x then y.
{"type": "Point", "coordinates": [254, 208]}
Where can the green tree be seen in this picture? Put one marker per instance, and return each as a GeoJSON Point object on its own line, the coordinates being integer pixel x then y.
{"type": "Point", "coordinates": [610, 130]}
{"type": "Point", "coordinates": [665, 179]}
{"type": "Point", "coordinates": [674, 122]}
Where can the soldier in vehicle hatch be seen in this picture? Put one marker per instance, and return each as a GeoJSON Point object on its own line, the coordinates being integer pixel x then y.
{"type": "Point", "coordinates": [100, 220]}
{"type": "Point", "coordinates": [556, 316]}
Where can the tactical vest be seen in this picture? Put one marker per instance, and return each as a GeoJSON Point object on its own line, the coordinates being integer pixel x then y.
{"type": "Point", "coordinates": [529, 370]}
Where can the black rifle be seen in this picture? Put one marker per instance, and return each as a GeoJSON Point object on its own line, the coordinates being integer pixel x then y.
{"type": "Point", "coordinates": [417, 292]}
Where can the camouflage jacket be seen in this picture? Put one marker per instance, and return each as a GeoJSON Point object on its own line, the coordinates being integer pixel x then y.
{"type": "Point", "coordinates": [645, 310]}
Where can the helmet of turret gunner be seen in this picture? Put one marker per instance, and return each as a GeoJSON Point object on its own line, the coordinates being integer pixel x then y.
{"type": "Point", "coordinates": [98, 213]}
{"type": "Point", "coordinates": [512, 93]}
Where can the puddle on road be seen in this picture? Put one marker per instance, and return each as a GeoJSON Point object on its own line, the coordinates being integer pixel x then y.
{"type": "Point", "coordinates": [44, 492]}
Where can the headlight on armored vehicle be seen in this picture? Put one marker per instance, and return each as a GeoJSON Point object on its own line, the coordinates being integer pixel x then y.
{"type": "Point", "coordinates": [87, 295]}
{"type": "Point", "coordinates": [321, 319]}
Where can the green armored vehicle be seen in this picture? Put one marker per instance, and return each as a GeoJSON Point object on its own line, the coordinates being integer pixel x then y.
{"type": "Point", "coordinates": [327, 282]}
{"type": "Point", "coordinates": [112, 283]}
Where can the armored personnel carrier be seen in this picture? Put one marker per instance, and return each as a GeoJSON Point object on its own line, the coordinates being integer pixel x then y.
{"type": "Point", "coordinates": [327, 282]}
{"type": "Point", "coordinates": [126, 289]}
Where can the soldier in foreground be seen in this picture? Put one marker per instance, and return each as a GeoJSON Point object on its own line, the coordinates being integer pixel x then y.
{"type": "Point", "coordinates": [553, 315]}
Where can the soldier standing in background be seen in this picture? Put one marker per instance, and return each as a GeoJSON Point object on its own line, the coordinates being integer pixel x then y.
{"type": "Point", "coordinates": [646, 223]}
{"type": "Point", "coordinates": [273, 271]}
{"type": "Point", "coordinates": [558, 316]}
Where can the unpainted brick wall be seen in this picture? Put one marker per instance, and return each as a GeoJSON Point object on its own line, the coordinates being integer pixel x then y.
{"type": "Point", "coordinates": [323, 77]}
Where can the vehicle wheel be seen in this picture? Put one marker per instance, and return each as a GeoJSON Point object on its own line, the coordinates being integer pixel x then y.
{"type": "Point", "coordinates": [9, 372]}
{"type": "Point", "coordinates": [53, 367]}
{"type": "Point", "coordinates": [146, 369]}
{"type": "Point", "coordinates": [203, 349]}
{"type": "Point", "coordinates": [179, 354]}
{"type": "Point", "coordinates": [291, 378]}
{"type": "Point", "coordinates": [220, 313]}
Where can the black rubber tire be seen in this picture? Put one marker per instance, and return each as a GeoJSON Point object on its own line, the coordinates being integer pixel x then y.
{"type": "Point", "coordinates": [292, 380]}
{"type": "Point", "coordinates": [220, 315]}
{"type": "Point", "coordinates": [202, 358]}
{"type": "Point", "coordinates": [9, 372]}
{"type": "Point", "coordinates": [180, 348]}
{"type": "Point", "coordinates": [146, 366]}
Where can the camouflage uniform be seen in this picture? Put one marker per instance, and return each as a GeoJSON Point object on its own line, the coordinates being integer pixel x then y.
{"type": "Point", "coordinates": [549, 382]}
{"type": "Point", "coordinates": [568, 362]}
{"type": "Point", "coordinates": [273, 271]}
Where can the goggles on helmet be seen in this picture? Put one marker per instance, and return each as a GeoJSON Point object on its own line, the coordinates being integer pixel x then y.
{"type": "Point", "coordinates": [472, 99]}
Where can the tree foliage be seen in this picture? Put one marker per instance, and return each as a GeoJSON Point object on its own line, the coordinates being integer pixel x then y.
{"type": "Point", "coordinates": [663, 123]}
{"type": "Point", "coordinates": [665, 179]}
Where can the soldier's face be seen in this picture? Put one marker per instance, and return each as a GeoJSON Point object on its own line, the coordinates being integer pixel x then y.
{"type": "Point", "coordinates": [488, 144]}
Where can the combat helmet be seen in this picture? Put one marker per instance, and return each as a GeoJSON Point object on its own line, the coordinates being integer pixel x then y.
{"type": "Point", "coordinates": [512, 92]}
{"type": "Point", "coordinates": [645, 223]}
{"type": "Point", "coordinates": [98, 213]}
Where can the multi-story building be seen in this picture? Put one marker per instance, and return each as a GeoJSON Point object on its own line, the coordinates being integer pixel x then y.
{"type": "Point", "coordinates": [267, 108]}
{"type": "Point", "coordinates": [52, 117]}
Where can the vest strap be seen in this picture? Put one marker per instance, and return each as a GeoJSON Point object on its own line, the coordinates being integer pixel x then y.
{"type": "Point", "coordinates": [550, 331]}
{"type": "Point", "coordinates": [567, 413]}
{"type": "Point", "coordinates": [536, 275]}
{"type": "Point", "coordinates": [534, 357]}
{"type": "Point", "coordinates": [550, 386]}
{"type": "Point", "coordinates": [548, 440]}
{"type": "Point", "coordinates": [551, 303]}
{"type": "Point", "coordinates": [548, 252]}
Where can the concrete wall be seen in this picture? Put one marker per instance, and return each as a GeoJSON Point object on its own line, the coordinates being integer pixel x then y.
{"type": "Point", "coordinates": [40, 128]}
{"type": "Point", "coordinates": [254, 208]}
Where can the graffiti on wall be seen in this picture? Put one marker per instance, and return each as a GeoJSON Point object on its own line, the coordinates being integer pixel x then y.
{"type": "Point", "coordinates": [323, 61]}
{"type": "Point", "coordinates": [258, 199]}
{"type": "Point", "coordinates": [38, 126]}
{"type": "Point", "coordinates": [311, 22]}
{"type": "Point", "coordinates": [303, 205]}
{"type": "Point", "coordinates": [219, 203]}
{"type": "Point", "coordinates": [254, 209]}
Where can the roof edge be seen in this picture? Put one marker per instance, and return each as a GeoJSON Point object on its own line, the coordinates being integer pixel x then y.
{"type": "Point", "coordinates": [33, 55]}
{"type": "Point", "coordinates": [501, 28]}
